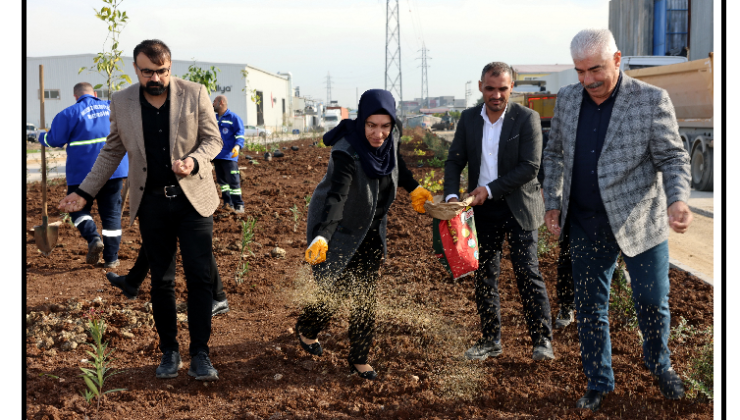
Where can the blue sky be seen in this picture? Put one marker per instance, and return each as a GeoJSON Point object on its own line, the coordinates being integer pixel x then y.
{"type": "Point", "coordinates": [343, 38]}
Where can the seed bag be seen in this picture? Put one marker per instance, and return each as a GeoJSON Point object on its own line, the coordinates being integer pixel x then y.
{"type": "Point", "coordinates": [454, 238]}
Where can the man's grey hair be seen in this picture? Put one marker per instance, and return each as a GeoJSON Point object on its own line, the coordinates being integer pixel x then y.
{"type": "Point", "coordinates": [82, 88]}
{"type": "Point", "coordinates": [497, 67]}
{"type": "Point", "coordinates": [593, 43]}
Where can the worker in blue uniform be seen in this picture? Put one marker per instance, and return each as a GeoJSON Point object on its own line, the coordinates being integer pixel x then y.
{"type": "Point", "coordinates": [83, 128]}
{"type": "Point", "coordinates": [227, 168]}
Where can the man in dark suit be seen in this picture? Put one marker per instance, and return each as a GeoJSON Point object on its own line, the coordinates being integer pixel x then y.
{"type": "Point", "coordinates": [501, 143]}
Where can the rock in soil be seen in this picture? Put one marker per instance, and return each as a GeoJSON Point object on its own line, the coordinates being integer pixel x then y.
{"type": "Point", "coordinates": [277, 252]}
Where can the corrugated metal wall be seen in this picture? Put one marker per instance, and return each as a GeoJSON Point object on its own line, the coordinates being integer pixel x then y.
{"type": "Point", "coordinates": [702, 29]}
{"type": "Point", "coordinates": [631, 22]}
{"type": "Point", "coordinates": [677, 26]}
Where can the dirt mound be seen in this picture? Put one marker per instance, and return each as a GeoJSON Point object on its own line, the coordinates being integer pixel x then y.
{"type": "Point", "coordinates": [425, 322]}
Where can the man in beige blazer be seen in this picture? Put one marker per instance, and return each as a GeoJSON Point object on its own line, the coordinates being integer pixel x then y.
{"type": "Point", "coordinates": [168, 128]}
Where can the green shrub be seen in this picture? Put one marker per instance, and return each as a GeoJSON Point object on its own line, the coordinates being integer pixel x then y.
{"type": "Point", "coordinates": [430, 184]}
{"type": "Point", "coordinates": [437, 145]}
{"type": "Point", "coordinates": [701, 370]}
{"type": "Point", "coordinates": [255, 147]}
{"type": "Point", "coordinates": [543, 239]}
{"type": "Point", "coordinates": [96, 377]}
{"type": "Point", "coordinates": [621, 295]}
{"type": "Point", "coordinates": [436, 163]}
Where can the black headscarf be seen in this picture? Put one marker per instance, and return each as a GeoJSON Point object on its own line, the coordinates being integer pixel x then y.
{"type": "Point", "coordinates": [375, 162]}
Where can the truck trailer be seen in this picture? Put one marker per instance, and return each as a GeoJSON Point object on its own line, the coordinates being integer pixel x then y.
{"type": "Point", "coordinates": [333, 115]}
{"type": "Point", "coordinates": [690, 85]}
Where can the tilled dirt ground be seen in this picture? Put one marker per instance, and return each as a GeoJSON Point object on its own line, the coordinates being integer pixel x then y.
{"type": "Point", "coordinates": [425, 322]}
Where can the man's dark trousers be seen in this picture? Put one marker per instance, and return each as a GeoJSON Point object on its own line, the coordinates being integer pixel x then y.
{"type": "Point", "coordinates": [564, 286]}
{"type": "Point", "coordinates": [227, 176]}
{"type": "Point", "coordinates": [109, 208]}
{"type": "Point", "coordinates": [493, 222]}
{"type": "Point", "coordinates": [138, 272]}
{"type": "Point", "coordinates": [163, 222]}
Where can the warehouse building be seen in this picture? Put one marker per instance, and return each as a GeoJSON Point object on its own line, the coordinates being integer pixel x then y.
{"type": "Point", "coordinates": [537, 71]}
{"type": "Point", "coordinates": [663, 27]}
{"type": "Point", "coordinates": [274, 91]}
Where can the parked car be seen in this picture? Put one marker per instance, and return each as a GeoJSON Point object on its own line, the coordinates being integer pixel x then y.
{"type": "Point", "coordinates": [251, 131]}
{"type": "Point", "coordinates": [31, 134]}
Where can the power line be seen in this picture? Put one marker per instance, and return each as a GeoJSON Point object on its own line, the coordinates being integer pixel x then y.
{"type": "Point", "coordinates": [417, 37]}
{"type": "Point", "coordinates": [419, 19]}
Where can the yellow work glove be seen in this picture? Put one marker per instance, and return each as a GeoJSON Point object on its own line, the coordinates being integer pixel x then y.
{"type": "Point", "coordinates": [418, 197]}
{"type": "Point", "coordinates": [235, 151]}
{"type": "Point", "coordinates": [316, 252]}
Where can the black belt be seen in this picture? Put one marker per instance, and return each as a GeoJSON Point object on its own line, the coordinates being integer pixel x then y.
{"type": "Point", "coordinates": [169, 191]}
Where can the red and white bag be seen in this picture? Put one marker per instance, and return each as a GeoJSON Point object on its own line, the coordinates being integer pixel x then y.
{"type": "Point", "coordinates": [455, 240]}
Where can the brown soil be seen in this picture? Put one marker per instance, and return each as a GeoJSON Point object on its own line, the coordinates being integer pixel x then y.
{"type": "Point", "coordinates": [425, 322]}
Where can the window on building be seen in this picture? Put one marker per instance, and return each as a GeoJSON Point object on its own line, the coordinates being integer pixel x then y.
{"type": "Point", "coordinates": [51, 94]}
{"type": "Point", "coordinates": [102, 93]}
{"type": "Point", "coordinates": [283, 106]}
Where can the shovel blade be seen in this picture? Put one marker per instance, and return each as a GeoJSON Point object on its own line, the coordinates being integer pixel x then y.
{"type": "Point", "coordinates": [46, 237]}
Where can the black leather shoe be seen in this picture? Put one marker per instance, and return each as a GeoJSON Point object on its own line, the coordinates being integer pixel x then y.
{"type": "Point", "coordinates": [112, 264]}
{"type": "Point", "coordinates": [565, 316]}
{"type": "Point", "coordinates": [94, 249]}
{"type": "Point", "coordinates": [120, 282]}
{"type": "Point", "coordinates": [482, 349]}
{"type": "Point", "coordinates": [314, 348]}
{"type": "Point", "coordinates": [543, 350]}
{"type": "Point", "coordinates": [169, 365]}
{"type": "Point", "coordinates": [671, 386]}
{"type": "Point", "coordinates": [219, 307]}
{"type": "Point", "coordinates": [370, 375]}
{"type": "Point", "coordinates": [592, 400]}
{"type": "Point", "coordinates": [202, 369]}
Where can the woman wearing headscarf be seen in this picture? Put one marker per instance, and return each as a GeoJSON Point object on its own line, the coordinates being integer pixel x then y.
{"type": "Point", "coordinates": [347, 220]}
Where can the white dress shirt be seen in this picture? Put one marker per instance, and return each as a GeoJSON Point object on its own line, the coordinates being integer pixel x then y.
{"type": "Point", "coordinates": [489, 151]}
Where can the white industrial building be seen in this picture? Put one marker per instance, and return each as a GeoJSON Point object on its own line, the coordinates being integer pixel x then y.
{"type": "Point", "coordinates": [61, 73]}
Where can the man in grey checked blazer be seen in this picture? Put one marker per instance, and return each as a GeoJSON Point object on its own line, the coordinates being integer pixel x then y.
{"type": "Point", "coordinates": [616, 177]}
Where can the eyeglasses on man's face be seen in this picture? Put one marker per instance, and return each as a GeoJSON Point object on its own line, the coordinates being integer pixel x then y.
{"type": "Point", "coordinates": [160, 72]}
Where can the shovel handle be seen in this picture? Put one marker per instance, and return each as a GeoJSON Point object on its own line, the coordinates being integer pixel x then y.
{"type": "Point", "coordinates": [44, 213]}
